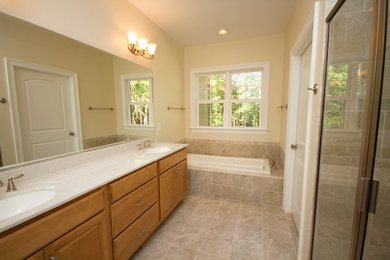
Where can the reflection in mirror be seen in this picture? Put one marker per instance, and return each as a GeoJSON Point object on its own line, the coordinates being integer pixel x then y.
{"type": "Point", "coordinates": [60, 95]}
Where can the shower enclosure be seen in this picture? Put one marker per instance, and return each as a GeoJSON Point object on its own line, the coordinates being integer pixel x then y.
{"type": "Point", "coordinates": [352, 216]}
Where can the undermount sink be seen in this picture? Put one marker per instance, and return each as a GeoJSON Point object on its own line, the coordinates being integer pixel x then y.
{"type": "Point", "coordinates": [160, 149]}
{"type": "Point", "coordinates": [24, 201]}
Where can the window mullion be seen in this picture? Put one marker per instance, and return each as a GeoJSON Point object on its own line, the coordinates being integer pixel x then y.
{"type": "Point", "coordinates": [197, 102]}
{"type": "Point", "coordinates": [227, 103]}
{"type": "Point", "coordinates": [128, 102]}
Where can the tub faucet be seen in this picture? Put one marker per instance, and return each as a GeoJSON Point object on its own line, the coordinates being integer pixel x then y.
{"type": "Point", "coordinates": [272, 164]}
{"type": "Point", "coordinates": [11, 185]}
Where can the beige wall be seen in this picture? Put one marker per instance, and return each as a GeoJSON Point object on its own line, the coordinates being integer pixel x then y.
{"type": "Point", "coordinates": [103, 24]}
{"type": "Point", "coordinates": [259, 49]}
{"type": "Point", "coordinates": [94, 69]}
{"type": "Point", "coordinates": [300, 12]}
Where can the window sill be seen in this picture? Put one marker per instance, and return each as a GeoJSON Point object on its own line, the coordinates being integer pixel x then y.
{"type": "Point", "coordinates": [136, 127]}
{"type": "Point", "coordinates": [255, 131]}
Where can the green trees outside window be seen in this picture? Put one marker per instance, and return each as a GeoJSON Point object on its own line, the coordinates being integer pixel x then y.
{"type": "Point", "coordinates": [241, 99]}
{"type": "Point", "coordinates": [337, 87]}
{"type": "Point", "coordinates": [139, 102]}
{"type": "Point", "coordinates": [345, 92]}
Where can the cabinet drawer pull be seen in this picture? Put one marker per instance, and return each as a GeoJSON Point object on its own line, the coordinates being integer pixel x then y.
{"type": "Point", "coordinates": [139, 180]}
{"type": "Point", "coordinates": [142, 232]}
{"type": "Point", "coordinates": [139, 204]}
{"type": "Point", "coordinates": [53, 258]}
{"type": "Point", "coordinates": [177, 171]}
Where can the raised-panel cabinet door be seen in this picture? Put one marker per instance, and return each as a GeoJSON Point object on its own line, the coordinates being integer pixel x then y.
{"type": "Point", "coordinates": [181, 181]}
{"type": "Point", "coordinates": [37, 256]}
{"type": "Point", "coordinates": [88, 241]}
{"type": "Point", "coordinates": [167, 193]}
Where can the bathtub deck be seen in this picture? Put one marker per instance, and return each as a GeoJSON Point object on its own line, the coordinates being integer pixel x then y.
{"type": "Point", "coordinates": [204, 228]}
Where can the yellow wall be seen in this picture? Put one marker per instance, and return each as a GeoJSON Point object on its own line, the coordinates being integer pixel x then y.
{"type": "Point", "coordinates": [300, 12]}
{"type": "Point", "coordinates": [259, 49]}
{"type": "Point", "coordinates": [103, 24]}
{"type": "Point", "coordinates": [94, 69]}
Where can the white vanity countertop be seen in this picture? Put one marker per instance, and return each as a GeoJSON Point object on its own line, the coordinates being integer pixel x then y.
{"type": "Point", "coordinates": [80, 179]}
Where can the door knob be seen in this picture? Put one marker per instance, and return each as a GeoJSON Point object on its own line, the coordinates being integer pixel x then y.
{"type": "Point", "coordinates": [294, 146]}
{"type": "Point", "coordinates": [71, 133]}
{"type": "Point", "coordinates": [3, 100]}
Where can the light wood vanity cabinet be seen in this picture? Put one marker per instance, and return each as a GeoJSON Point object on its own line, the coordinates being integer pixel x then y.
{"type": "Point", "coordinates": [130, 182]}
{"type": "Point", "coordinates": [88, 241]}
{"type": "Point", "coordinates": [22, 242]}
{"type": "Point", "coordinates": [135, 215]}
{"type": "Point", "coordinates": [37, 256]}
{"type": "Point", "coordinates": [127, 243]}
{"type": "Point", "coordinates": [173, 181]}
{"type": "Point", "coordinates": [110, 222]}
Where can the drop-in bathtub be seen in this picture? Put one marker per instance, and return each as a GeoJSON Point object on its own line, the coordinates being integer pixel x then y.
{"type": "Point", "coordinates": [250, 166]}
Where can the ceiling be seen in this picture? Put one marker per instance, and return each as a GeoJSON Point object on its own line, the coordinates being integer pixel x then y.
{"type": "Point", "coordinates": [193, 22]}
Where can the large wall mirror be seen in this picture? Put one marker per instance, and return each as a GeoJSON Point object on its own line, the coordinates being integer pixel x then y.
{"type": "Point", "coordinates": [59, 95]}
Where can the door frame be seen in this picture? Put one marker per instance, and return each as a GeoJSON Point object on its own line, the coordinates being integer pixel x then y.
{"type": "Point", "coordinates": [10, 66]}
{"type": "Point", "coordinates": [304, 39]}
{"type": "Point", "coordinates": [313, 29]}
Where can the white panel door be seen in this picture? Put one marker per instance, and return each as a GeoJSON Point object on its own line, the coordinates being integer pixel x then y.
{"type": "Point", "coordinates": [300, 140]}
{"type": "Point", "coordinates": [45, 113]}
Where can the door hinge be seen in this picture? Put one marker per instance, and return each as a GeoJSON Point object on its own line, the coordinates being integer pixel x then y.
{"type": "Point", "coordinates": [374, 196]}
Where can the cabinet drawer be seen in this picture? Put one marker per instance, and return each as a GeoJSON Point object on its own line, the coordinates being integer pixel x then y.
{"type": "Point", "coordinates": [130, 207]}
{"type": "Point", "coordinates": [27, 240]}
{"type": "Point", "coordinates": [135, 235]}
{"type": "Point", "coordinates": [172, 160]}
{"type": "Point", "coordinates": [37, 256]}
{"type": "Point", "coordinates": [132, 181]}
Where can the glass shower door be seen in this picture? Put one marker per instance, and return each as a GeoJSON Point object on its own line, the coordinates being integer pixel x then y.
{"type": "Point", "coordinates": [377, 240]}
{"type": "Point", "coordinates": [342, 128]}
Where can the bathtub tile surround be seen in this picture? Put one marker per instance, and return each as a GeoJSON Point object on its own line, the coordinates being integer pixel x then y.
{"type": "Point", "coordinates": [211, 183]}
{"type": "Point", "coordinates": [263, 189]}
{"type": "Point", "coordinates": [247, 149]}
{"type": "Point", "coordinates": [204, 228]}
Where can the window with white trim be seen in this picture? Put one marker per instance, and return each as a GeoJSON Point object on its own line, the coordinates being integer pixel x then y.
{"type": "Point", "coordinates": [137, 100]}
{"type": "Point", "coordinates": [230, 97]}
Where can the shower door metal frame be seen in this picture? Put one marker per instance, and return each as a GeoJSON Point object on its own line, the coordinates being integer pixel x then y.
{"type": "Point", "coordinates": [370, 124]}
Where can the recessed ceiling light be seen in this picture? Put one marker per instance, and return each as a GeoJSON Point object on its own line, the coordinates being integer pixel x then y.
{"type": "Point", "coordinates": [223, 31]}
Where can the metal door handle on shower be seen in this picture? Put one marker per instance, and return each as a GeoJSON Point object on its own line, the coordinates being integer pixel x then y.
{"type": "Point", "coordinates": [315, 89]}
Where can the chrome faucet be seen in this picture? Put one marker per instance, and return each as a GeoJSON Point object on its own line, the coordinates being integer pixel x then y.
{"type": "Point", "coordinates": [11, 185]}
{"type": "Point", "coordinates": [140, 147]}
{"type": "Point", "coordinates": [148, 143]}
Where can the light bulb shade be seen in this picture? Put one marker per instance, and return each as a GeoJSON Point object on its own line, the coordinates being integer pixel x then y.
{"type": "Point", "coordinates": [151, 48]}
{"type": "Point", "coordinates": [142, 43]}
{"type": "Point", "coordinates": [132, 37]}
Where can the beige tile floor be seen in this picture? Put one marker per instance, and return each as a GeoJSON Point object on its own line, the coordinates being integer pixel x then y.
{"type": "Point", "coordinates": [204, 228]}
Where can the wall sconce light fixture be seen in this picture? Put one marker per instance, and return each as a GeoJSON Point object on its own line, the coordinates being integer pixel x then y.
{"type": "Point", "coordinates": [143, 48]}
